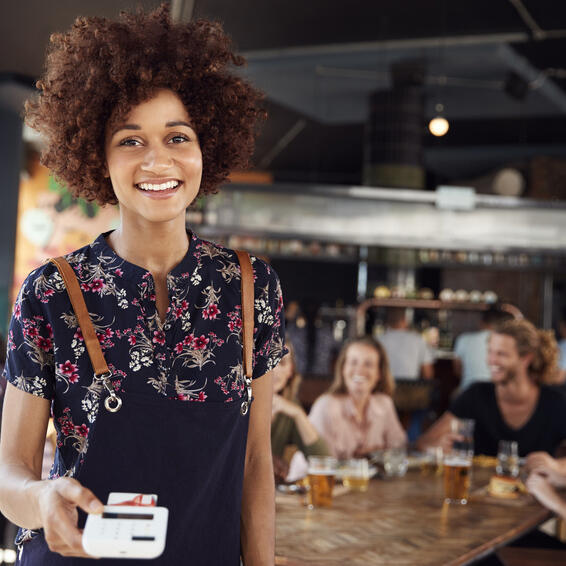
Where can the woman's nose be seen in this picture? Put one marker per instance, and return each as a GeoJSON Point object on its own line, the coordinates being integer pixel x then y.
{"type": "Point", "coordinates": [156, 159]}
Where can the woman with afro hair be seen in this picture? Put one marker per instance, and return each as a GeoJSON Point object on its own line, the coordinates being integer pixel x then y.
{"type": "Point", "coordinates": [148, 114]}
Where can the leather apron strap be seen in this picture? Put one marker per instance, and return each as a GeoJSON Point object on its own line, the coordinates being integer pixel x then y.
{"type": "Point", "coordinates": [81, 312]}
{"type": "Point", "coordinates": [93, 345]}
{"type": "Point", "coordinates": [247, 283]}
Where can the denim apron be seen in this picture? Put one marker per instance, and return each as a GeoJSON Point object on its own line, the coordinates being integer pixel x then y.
{"type": "Point", "coordinates": [190, 454]}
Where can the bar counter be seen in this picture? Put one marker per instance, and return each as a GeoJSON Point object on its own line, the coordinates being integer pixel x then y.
{"type": "Point", "coordinates": [401, 521]}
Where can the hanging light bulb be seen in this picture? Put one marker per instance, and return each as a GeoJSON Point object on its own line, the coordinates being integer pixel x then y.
{"type": "Point", "coordinates": [439, 125]}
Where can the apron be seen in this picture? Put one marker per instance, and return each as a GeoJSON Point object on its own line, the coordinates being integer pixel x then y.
{"type": "Point", "coordinates": [190, 454]}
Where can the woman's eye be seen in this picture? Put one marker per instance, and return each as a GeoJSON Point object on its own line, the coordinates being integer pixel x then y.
{"type": "Point", "coordinates": [179, 139]}
{"type": "Point", "coordinates": [129, 142]}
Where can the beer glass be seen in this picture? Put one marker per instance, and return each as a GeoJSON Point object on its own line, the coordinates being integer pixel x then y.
{"type": "Point", "coordinates": [322, 470]}
{"type": "Point", "coordinates": [464, 428]}
{"type": "Point", "coordinates": [457, 476]}
{"type": "Point", "coordinates": [395, 462]}
{"type": "Point", "coordinates": [507, 459]}
{"type": "Point", "coordinates": [355, 474]}
{"type": "Point", "coordinates": [432, 461]}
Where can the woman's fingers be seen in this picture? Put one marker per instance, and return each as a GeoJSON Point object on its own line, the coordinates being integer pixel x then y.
{"type": "Point", "coordinates": [72, 491]}
{"type": "Point", "coordinates": [60, 515]}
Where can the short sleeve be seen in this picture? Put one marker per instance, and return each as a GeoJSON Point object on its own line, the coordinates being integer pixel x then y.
{"type": "Point", "coordinates": [269, 327]}
{"type": "Point", "coordinates": [30, 362]}
{"type": "Point", "coordinates": [463, 405]}
{"type": "Point", "coordinates": [318, 416]}
{"type": "Point", "coordinates": [459, 347]}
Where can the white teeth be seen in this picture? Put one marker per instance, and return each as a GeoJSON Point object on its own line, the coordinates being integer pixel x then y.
{"type": "Point", "coordinates": [358, 379]}
{"type": "Point", "coordinates": [162, 187]}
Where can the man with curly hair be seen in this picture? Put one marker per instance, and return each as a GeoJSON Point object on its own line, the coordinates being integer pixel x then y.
{"type": "Point", "coordinates": [148, 114]}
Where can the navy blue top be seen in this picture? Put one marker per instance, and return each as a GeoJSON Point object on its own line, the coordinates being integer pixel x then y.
{"type": "Point", "coordinates": [195, 355]}
{"type": "Point", "coordinates": [545, 430]}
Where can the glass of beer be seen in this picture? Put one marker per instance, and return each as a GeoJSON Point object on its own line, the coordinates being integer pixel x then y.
{"type": "Point", "coordinates": [457, 476]}
{"type": "Point", "coordinates": [322, 470]}
{"type": "Point", "coordinates": [355, 474]}
{"type": "Point", "coordinates": [432, 461]}
{"type": "Point", "coordinates": [507, 459]}
{"type": "Point", "coordinates": [464, 429]}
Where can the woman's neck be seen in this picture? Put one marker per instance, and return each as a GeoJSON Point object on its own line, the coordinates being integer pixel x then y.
{"type": "Point", "coordinates": [360, 405]}
{"type": "Point", "coordinates": [157, 247]}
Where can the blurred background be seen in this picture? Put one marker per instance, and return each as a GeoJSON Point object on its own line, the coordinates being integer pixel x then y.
{"type": "Point", "coordinates": [414, 156]}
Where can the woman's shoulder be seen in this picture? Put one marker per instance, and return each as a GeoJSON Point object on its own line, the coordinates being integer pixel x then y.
{"type": "Point", "coordinates": [382, 400]}
{"type": "Point", "coordinates": [225, 261]}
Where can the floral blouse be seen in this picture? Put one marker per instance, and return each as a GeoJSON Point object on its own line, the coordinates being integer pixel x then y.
{"type": "Point", "coordinates": [194, 355]}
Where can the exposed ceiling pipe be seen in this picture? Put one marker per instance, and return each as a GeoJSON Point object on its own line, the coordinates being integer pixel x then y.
{"type": "Point", "coordinates": [441, 80]}
{"type": "Point", "coordinates": [393, 44]}
{"type": "Point", "coordinates": [182, 10]}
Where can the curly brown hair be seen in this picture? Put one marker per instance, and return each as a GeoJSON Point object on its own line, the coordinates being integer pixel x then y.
{"type": "Point", "coordinates": [543, 368]}
{"type": "Point", "coordinates": [100, 69]}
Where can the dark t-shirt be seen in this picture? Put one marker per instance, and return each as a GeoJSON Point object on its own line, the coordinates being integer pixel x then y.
{"type": "Point", "coordinates": [545, 430]}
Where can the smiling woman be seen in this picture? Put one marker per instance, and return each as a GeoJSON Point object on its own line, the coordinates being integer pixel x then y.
{"type": "Point", "coordinates": [147, 114]}
{"type": "Point", "coordinates": [357, 415]}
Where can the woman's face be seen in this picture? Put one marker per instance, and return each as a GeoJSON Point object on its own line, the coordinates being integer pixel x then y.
{"type": "Point", "coordinates": [282, 372]}
{"type": "Point", "coordinates": [361, 370]}
{"type": "Point", "coordinates": [154, 160]}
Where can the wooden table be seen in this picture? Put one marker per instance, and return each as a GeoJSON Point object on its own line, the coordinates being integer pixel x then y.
{"type": "Point", "coordinates": [401, 521]}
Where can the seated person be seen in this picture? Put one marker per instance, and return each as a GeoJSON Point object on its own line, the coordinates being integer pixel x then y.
{"type": "Point", "coordinates": [516, 404]}
{"type": "Point", "coordinates": [290, 424]}
{"type": "Point", "coordinates": [357, 415]}
{"type": "Point", "coordinates": [470, 349]}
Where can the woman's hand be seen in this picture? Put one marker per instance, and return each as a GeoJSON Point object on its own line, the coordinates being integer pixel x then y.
{"type": "Point", "coordinates": [544, 464]}
{"type": "Point", "coordinates": [282, 405]}
{"type": "Point", "coordinates": [57, 505]}
{"type": "Point", "coordinates": [540, 487]}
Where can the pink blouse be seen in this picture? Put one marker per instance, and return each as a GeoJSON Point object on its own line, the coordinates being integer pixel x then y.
{"type": "Point", "coordinates": [336, 420]}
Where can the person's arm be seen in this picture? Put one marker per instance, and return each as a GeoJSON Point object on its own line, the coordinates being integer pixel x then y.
{"type": "Point", "coordinates": [258, 497]}
{"type": "Point", "coordinates": [306, 430]}
{"type": "Point", "coordinates": [540, 486]}
{"type": "Point", "coordinates": [439, 434]}
{"type": "Point", "coordinates": [427, 371]}
{"type": "Point", "coordinates": [427, 361]}
{"type": "Point", "coordinates": [25, 499]}
{"type": "Point", "coordinates": [544, 464]}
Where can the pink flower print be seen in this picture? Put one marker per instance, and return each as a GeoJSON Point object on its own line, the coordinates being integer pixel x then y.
{"type": "Point", "coordinates": [181, 397]}
{"type": "Point", "coordinates": [70, 371]}
{"type": "Point", "coordinates": [189, 340]}
{"type": "Point", "coordinates": [132, 340]}
{"type": "Point", "coordinates": [85, 287]}
{"type": "Point", "coordinates": [49, 292]}
{"type": "Point", "coordinates": [49, 330]}
{"type": "Point", "coordinates": [78, 334]}
{"type": "Point", "coordinates": [108, 333]}
{"type": "Point", "coordinates": [97, 285]}
{"type": "Point", "coordinates": [30, 331]}
{"type": "Point", "coordinates": [179, 348]}
{"type": "Point", "coordinates": [118, 272]}
{"type": "Point", "coordinates": [158, 337]}
{"type": "Point", "coordinates": [201, 342]}
{"type": "Point", "coordinates": [44, 344]}
{"type": "Point", "coordinates": [201, 396]}
{"type": "Point", "coordinates": [17, 311]}
{"type": "Point", "coordinates": [211, 312]}
{"type": "Point", "coordinates": [82, 430]}
{"type": "Point", "coordinates": [152, 297]}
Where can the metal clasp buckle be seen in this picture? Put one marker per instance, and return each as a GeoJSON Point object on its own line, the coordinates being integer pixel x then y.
{"type": "Point", "coordinates": [112, 403]}
{"type": "Point", "coordinates": [246, 404]}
